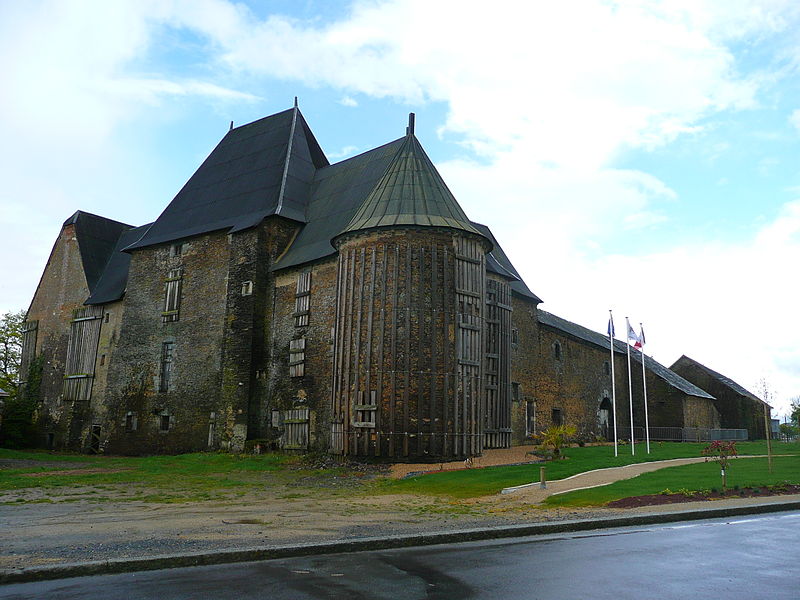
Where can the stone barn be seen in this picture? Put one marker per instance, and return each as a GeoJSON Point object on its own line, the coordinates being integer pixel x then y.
{"type": "Point", "coordinates": [288, 302]}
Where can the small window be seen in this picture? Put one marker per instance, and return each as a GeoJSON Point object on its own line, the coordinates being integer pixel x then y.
{"type": "Point", "coordinates": [176, 249]}
{"type": "Point", "coordinates": [556, 418]}
{"type": "Point", "coordinates": [247, 288]}
{"type": "Point", "coordinates": [557, 350]}
{"type": "Point", "coordinates": [297, 357]}
{"type": "Point", "coordinates": [102, 359]}
{"type": "Point", "coordinates": [515, 336]}
{"type": "Point", "coordinates": [167, 349]}
{"type": "Point", "coordinates": [105, 317]}
{"type": "Point", "coordinates": [515, 391]}
{"type": "Point", "coordinates": [130, 422]}
{"type": "Point", "coordinates": [607, 368]}
{"type": "Point", "coordinates": [164, 422]}
{"type": "Point", "coordinates": [530, 417]}
{"type": "Point", "coordinates": [302, 301]}
{"type": "Point", "coordinates": [172, 295]}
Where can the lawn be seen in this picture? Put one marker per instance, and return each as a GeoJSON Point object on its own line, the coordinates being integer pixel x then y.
{"type": "Point", "coordinates": [471, 483]}
{"type": "Point", "coordinates": [187, 477]}
{"type": "Point", "coordinates": [697, 477]}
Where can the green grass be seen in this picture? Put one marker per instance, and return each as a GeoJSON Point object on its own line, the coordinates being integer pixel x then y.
{"type": "Point", "coordinates": [182, 478]}
{"type": "Point", "coordinates": [696, 477]}
{"type": "Point", "coordinates": [470, 483]}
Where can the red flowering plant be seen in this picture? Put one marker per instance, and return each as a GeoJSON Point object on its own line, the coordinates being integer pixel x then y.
{"type": "Point", "coordinates": [721, 452]}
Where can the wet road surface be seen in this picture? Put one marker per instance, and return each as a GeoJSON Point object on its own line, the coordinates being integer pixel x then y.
{"type": "Point", "coordinates": [747, 557]}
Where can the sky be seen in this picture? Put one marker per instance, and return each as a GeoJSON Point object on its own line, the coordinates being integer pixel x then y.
{"type": "Point", "coordinates": [636, 156]}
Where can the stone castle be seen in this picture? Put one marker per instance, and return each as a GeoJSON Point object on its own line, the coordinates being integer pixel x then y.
{"type": "Point", "coordinates": [283, 301]}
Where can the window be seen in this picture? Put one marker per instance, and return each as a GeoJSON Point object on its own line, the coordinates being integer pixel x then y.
{"type": "Point", "coordinates": [607, 368]}
{"type": "Point", "coordinates": [514, 336]}
{"type": "Point", "coordinates": [530, 417]}
{"type": "Point", "coordinates": [102, 359]}
{"type": "Point", "coordinates": [302, 299]}
{"type": "Point", "coordinates": [105, 317]}
{"type": "Point", "coordinates": [297, 357]}
{"type": "Point", "coordinates": [167, 349]}
{"type": "Point", "coordinates": [515, 391]}
{"type": "Point", "coordinates": [555, 417]}
{"type": "Point", "coordinates": [172, 296]}
{"type": "Point", "coordinates": [176, 249]}
{"type": "Point", "coordinates": [247, 288]}
{"type": "Point", "coordinates": [130, 422]}
{"type": "Point", "coordinates": [164, 422]}
{"type": "Point", "coordinates": [557, 350]}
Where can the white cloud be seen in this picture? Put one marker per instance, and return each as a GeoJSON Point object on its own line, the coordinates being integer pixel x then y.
{"type": "Point", "coordinates": [344, 152]}
{"type": "Point", "coordinates": [794, 119]}
{"type": "Point", "coordinates": [348, 101]}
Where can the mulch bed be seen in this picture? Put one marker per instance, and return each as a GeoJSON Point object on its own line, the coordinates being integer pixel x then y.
{"type": "Point", "coordinates": [679, 497]}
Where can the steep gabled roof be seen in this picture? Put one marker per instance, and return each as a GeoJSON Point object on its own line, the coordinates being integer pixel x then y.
{"type": "Point", "coordinates": [600, 340]}
{"type": "Point", "coordinates": [260, 169]}
{"type": "Point", "coordinates": [685, 361]}
{"type": "Point", "coordinates": [96, 238]}
{"type": "Point", "coordinates": [114, 279]}
{"type": "Point", "coordinates": [337, 192]}
{"type": "Point", "coordinates": [410, 192]}
{"type": "Point", "coordinates": [498, 262]}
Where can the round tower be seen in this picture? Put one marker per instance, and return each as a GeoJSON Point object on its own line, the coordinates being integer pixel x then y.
{"type": "Point", "coordinates": [409, 333]}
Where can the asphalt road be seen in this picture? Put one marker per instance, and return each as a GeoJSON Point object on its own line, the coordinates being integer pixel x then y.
{"type": "Point", "coordinates": [748, 557]}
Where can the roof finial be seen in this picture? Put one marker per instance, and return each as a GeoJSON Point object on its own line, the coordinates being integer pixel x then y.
{"type": "Point", "coordinates": [295, 101]}
{"type": "Point", "coordinates": [410, 128]}
{"type": "Point", "coordinates": [231, 127]}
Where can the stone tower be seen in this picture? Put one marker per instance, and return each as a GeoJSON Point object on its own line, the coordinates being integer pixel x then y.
{"type": "Point", "coordinates": [408, 373]}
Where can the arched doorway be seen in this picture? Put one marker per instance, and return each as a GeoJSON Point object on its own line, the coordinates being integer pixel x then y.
{"type": "Point", "coordinates": [606, 419]}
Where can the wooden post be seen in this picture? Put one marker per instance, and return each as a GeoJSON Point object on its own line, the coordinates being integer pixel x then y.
{"type": "Point", "coordinates": [542, 478]}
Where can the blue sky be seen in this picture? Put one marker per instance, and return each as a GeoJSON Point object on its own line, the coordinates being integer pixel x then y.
{"type": "Point", "coordinates": [640, 156]}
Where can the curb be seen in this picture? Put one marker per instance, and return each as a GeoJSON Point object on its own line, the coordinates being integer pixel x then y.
{"type": "Point", "coordinates": [125, 565]}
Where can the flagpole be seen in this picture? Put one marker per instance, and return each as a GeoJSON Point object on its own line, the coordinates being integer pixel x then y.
{"type": "Point", "coordinates": [613, 378]}
{"type": "Point", "coordinates": [630, 384]}
{"type": "Point", "coordinates": [644, 386]}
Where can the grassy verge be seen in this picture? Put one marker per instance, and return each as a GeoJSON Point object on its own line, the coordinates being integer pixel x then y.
{"type": "Point", "coordinates": [696, 477]}
{"type": "Point", "coordinates": [471, 483]}
{"type": "Point", "coordinates": [187, 477]}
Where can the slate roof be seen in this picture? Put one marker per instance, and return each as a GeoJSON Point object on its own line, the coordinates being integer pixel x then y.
{"type": "Point", "coordinates": [410, 192]}
{"type": "Point", "coordinates": [248, 177]}
{"type": "Point", "coordinates": [498, 262]}
{"type": "Point", "coordinates": [260, 169]}
{"type": "Point", "coordinates": [601, 340]}
{"type": "Point", "coordinates": [336, 193]}
{"type": "Point", "coordinates": [686, 361]}
{"type": "Point", "coordinates": [114, 279]}
{"type": "Point", "coordinates": [96, 237]}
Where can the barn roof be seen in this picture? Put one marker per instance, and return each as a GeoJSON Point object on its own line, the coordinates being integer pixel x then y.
{"type": "Point", "coordinates": [96, 238]}
{"type": "Point", "coordinates": [114, 279]}
{"type": "Point", "coordinates": [620, 347]}
{"type": "Point", "coordinates": [686, 361]}
{"type": "Point", "coordinates": [257, 170]}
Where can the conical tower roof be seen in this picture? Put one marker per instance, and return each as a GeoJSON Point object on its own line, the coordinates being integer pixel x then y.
{"type": "Point", "coordinates": [411, 192]}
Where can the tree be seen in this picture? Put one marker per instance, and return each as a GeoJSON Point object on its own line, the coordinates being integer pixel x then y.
{"type": "Point", "coordinates": [794, 407]}
{"type": "Point", "coordinates": [721, 452]}
{"type": "Point", "coordinates": [10, 349]}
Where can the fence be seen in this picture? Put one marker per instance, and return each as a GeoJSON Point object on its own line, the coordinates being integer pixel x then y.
{"type": "Point", "coordinates": [683, 434]}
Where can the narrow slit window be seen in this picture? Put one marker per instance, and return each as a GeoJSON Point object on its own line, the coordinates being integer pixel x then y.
{"type": "Point", "coordinates": [302, 300]}
{"type": "Point", "coordinates": [247, 288]}
{"type": "Point", "coordinates": [164, 422]}
{"type": "Point", "coordinates": [167, 350]}
{"type": "Point", "coordinates": [130, 422]}
{"type": "Point", "coordinates": [172, 296]}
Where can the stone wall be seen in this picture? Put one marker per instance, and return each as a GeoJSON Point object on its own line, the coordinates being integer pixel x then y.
{"type": "Point", "coordinates": [62, 289]}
